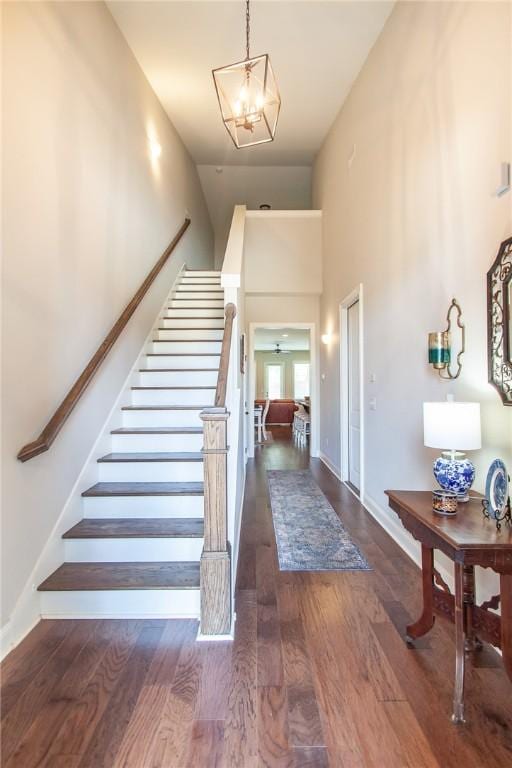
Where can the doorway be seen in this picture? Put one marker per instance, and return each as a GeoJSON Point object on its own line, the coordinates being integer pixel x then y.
{"type": "Point", "coordinates": [351, 381]}
{"type": "Point", "coordinates": [280, 367]}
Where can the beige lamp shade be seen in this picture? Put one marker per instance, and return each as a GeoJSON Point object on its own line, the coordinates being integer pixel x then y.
{"type": "Point", "coordinates": [452, 426]}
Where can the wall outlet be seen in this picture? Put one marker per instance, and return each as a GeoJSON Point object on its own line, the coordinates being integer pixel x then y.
{"type": "Point", "coordinates": [373, 404]}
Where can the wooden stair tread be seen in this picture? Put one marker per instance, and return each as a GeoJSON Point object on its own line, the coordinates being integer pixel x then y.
{"type": "Point", "coordinates": [140, 528]}
{"type": "Point", "coordinates": [157, 430]}
{"type": "Point", "coordinates": [145, 489]}
{"type": "Point", "coordinates": [106, 576]}
{"type": "Point", "coordinates": [155, 456]}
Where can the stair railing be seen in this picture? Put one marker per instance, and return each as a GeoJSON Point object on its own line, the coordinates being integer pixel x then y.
{"type": "Point", "coordinates": [53, 427]}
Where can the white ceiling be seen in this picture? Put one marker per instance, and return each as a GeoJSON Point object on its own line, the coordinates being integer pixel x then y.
{"type": "Point", "coordinates": [316, 48]}
{"type": "Point", "coordinates": [289, 339]}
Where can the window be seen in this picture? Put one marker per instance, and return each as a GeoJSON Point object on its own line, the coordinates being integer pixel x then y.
{"type": "Point", "coordinates": [300, 380]}
{"type": "Point", "coordinates": [274, 380]}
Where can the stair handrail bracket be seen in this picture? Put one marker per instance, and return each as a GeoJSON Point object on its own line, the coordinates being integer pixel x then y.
{"type": "Point", "coordinates": [55, 424]}
{"type": "Point", "coordinates": [215, 565]}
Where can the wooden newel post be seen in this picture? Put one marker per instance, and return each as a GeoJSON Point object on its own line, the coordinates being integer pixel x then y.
{"type": "Point", "coordinates": [216, 556]}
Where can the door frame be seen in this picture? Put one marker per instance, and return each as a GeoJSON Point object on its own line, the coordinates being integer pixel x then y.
{"type": "Point", "coordinates": [356, 295]}
{"type": "Point", "coordinates": [315, 381]}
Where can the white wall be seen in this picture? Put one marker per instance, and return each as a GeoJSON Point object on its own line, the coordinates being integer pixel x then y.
{"type": "Point", "coordinates": [282, 252]}
{"type": "Point", "coordinates": [406, 181]}
{"type": "Point", "coordinates": [280, 186]}
{"type": "Point", "coordinates": [86, 213]}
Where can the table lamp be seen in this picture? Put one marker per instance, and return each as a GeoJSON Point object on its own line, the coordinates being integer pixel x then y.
{"type": "Point", "coordinates": [453, 427]}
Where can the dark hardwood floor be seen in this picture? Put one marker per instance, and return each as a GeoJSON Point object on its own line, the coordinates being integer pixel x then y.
{"type": "Point", "coordinates": [318, 675]}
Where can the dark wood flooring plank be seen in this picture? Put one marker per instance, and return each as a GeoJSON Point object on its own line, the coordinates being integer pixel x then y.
{"type": "Point", "coordinates": [212, 700]}
{"type": "Point", "coordinates": [172, 739]}
{"type": "Point", "coordinates": [39, 690]}
{"type": "Point", "coordinates": [83, 716]}
{"type": "Point", "coordinates": [240, 729]}
{"type": "Point", "coordinates": [140, 734]}
{"type": "Point", "coordinates": [273, 746]}
{"type": "Point", "coordinates": [310, 757]}
{"type": "Point", "coordinates": [206, 744]}
{"type": "Point", "coordinates": [26, 661]}
{"type": "Point", "coordinates": [37, 740]}
{"type": "Point", "coordinates": [108, 734]}
{"type": "Point", "coordinates": [270, 663]}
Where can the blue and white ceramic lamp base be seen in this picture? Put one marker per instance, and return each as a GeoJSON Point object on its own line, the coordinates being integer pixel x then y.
{"type": "Point", "coordinates": [454, 473]}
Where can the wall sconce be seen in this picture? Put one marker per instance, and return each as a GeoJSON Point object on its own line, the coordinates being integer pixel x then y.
{"type": "Point", "coordinates": [325, 338]}
{"type": "Point", "coordinates": [440, 344]}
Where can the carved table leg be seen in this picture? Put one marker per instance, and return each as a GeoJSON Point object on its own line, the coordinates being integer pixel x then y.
{"type": "Point", "coordinates": [472, 642]}
{"type": "Point", "coordinates": [458, 696]}
{"type": "Point", "coordinates": [426, 620]}
{"type": "Point", "coordinates": [506, 621]}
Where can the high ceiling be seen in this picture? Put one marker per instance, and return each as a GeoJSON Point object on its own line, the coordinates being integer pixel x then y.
{"type": "Point", "coordinates": [316, 48]}
{"type": "Point", "coordinates": [290, 339]}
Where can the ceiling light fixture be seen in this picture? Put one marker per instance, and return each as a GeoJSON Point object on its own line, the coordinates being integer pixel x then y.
{"type": "Point", "coordinates": [248, 96]}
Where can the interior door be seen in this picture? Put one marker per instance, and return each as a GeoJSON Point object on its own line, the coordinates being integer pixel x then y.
{"type": "Point", "coordinates": [354, 405]}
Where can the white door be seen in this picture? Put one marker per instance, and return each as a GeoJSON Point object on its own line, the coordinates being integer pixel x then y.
{"type": "Point", "coordinates": [354, 405]}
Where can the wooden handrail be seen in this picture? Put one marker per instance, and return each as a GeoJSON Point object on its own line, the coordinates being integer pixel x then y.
{"type": "Point", "coordinates": [220, 392]}
{"type": "Point", "coordinates": [50, 432]}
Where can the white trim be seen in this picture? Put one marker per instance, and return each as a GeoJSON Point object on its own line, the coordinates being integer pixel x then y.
{"type": "Point", "coordinates": [354, 296]}
{"type": "Point", "coordinates": [27, 610]}
{"type": "Point", "coordinates": [315, 380]}
{"type": "Point", "coordinates": [330, 466]}
{"type": "Point", "coordinates": [285, 214]}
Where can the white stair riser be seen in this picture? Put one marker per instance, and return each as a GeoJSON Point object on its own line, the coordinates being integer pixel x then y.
{"type": "Point", "coordinates": [190, 334]}
{"type": "Point", "coordinates": [198, 286]}
{"type": "Point", "coordinates": [163, 360]}
{"type": "Point", "coordinates": [192, 281]}
{"type": "Point", "coordinates": [150, 471]}
{"type": "Point", "coordinates": [217, 304]}
{"type": "Point", "coordinates": [173, 396]}
{"type": "Point", "coordinates": [197, 273]}
{"type": "Point", "coordinates": [185, 348]}
{"type": "Point", "coordinates": [101, 507]}
{"type": "Point", "coordinates": [132, 550]}
{"type": "Point", "coordinates": [137, 603]}
{"type": "Point", "coordinates": [192, 378]}
{"type": "Point", "coordinates": [156, 442]}
{"type": "Point", "coordinates": [178, 312]}
{"type": "Point", "coordinates": [188, 323]}
{"type": "Point", "coordinates": [162, 418]}
{"type": "Point", "coordinates": [199, 295]}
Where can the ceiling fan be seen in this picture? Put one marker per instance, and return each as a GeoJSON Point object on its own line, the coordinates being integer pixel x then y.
{"type": "Point", "coordinates": [279, 351]}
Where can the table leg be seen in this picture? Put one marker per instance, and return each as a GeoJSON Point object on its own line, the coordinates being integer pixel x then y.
{"type": "Point", "coordinates": [427, 618]}
{"type": "Point", "coordinates": [458, 695]}
{"type": "Point", "coordinates": [506, 621]}
{"type": "Point", "coordinates": [260, 433]}
{"type": "Point", "coordinates": [472, 642]}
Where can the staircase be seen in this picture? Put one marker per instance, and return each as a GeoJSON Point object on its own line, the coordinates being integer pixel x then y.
{"type": "Point", "coordinates": [136, 552]}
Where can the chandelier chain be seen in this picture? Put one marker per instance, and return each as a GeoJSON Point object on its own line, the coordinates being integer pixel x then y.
{"type": "Point", "coordinates": [247, 28]}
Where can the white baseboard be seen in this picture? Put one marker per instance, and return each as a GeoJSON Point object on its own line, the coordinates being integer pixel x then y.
{"type": "Point", "coordinates": [328, 463]}
{"type": "Point", "coordinates": [229, 637]}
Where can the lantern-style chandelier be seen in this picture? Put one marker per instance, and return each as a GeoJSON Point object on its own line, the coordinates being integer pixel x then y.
{"type": "Point", "coordinates": [248, 96]}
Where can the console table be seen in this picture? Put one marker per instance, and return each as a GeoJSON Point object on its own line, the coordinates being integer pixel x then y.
{"type": "Point", "coordinates": [468, 539]}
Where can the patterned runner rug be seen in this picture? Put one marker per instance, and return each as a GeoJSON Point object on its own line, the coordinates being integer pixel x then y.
{"type": "Point", "coordinates": [309, 534]}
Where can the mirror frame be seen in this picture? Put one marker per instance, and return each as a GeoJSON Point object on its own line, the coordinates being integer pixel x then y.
{"type": "Point", "coordinates": [499, 318]}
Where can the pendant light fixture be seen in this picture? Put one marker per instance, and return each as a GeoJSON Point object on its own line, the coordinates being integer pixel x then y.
{"type": "Point", "coordinates": [248, 96]}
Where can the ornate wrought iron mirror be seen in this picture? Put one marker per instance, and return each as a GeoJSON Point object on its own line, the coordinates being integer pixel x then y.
{"type": "Point", "coordinates": [499, 322]}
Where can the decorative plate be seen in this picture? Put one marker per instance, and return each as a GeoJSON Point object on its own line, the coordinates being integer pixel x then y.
{"type": "Point", "coordinates": [496, 488]}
